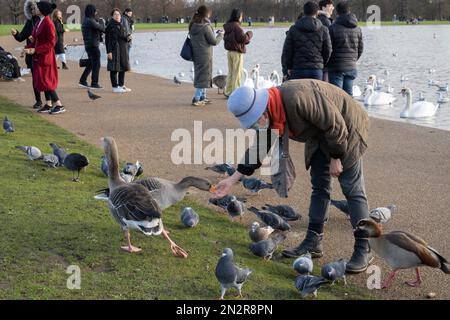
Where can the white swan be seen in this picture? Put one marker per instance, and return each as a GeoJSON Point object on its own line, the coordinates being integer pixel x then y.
{"type": "Point", "coordinates": [372, 98]}
{"type": "Point", "coordinates": [377, 84]}
{"type": "Point", "coordinates": [259, 81]}
{"type": "Point", "coordinates": [420, 109]}
{"type": "Point", "coordinates": [389, 89]}
{"type": "Point", "coordinates": [275, 78]}
{"type": "Point", "coordinates": [356, 91]}
{"type": "Point", "coordinates": [247, 82]}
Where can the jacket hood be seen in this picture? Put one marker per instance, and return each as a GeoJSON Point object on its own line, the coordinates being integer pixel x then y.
{"type": "Point", "coordinates": [348, 20]}
{"type": "Point", "coordinates": [308, 24]}
{"type": "Point", "coordinates": [27, 8]}
{"type": "Point", "coordinates": [89, 11]}
{"type": "Point", "coordinates": [198, 27]}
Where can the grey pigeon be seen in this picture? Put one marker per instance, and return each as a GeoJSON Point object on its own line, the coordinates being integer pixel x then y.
{"type": "Point", "coordinates": [189, 218]}
{"type": "Point", "coordinates": [255, 185]}
{"type": "Point", "coordinates": [266, 248]}
{"type": "Point", "coordinates": [92, 95]}
{"type": "Point", "coordinates": [223, 203]}
{"type": "Point", "coordinates": [303, 264]}
{"type": "Point", "coordinates": [286, 212]}
{"type": "Point", "coordinates": [220, 81]}
{"type": "Point", "coordinates": [32, 153]}
{"type": "Point", "coordinates": [334, 271]}
{"type": "Point", "coordinates": [176, 81]}
{"type": "Point", "coordinates": [308, 284]}
{"type": "Point", "coordinates": [75, 162]}
{"type": "Point", "coordinates": [51, 160]}
{"type": "Point", "coordinates": [271, 219]}
{"type": "Point", "coordinates": [104, 165]}
{"type": "Point", "coordinates": [380, 215]}
{"type": "Point", "coordinates": [8, 126]}
{"type": "Point", "coordinates": [229, 274]}
{"type": "Point", "coordinates": [223, 168]}
{"type": "Point", "coordinates": [258, 233]}
{"type": "Point", "coordinates": [235, 208]}
{"type": "Point", "coordinates": [133, 169]}
{"type": "Point", "coordinates": [59, 152]}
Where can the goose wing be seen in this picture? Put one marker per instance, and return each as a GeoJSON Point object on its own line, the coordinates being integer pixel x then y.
{"type": "Point", "coordinates": [415, 245]}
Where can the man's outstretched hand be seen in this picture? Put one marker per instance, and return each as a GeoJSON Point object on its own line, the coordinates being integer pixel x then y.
{"type": "Point", "coordinates": [223, 188]}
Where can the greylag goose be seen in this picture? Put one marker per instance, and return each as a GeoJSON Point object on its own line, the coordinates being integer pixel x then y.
{"type": "Point", "coordinates": [220, 81]}
{"type": "Point", "coordinates": [132, 205]}
{"type": "Point", "coordinates": [401, 250]}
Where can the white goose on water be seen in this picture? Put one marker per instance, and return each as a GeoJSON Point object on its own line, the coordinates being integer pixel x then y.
{"type": "Point", "coordinates": [372, 98]}
{"type": "Point", "coordinates": [420, 109]}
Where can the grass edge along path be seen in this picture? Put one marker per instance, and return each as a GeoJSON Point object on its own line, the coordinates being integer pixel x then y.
{"type": "Point", "coordinates": [50, 222]}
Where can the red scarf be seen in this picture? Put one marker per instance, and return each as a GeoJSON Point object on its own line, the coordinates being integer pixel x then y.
{"type": "Point", "coordinates": [276, 111]}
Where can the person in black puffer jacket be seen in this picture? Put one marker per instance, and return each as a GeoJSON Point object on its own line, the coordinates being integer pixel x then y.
{"type": "Point", "coordinates": [29, 11]}
{"type": "Point", "coordinates": [92, 30]}
{"type": "Point", "coordinates": [307, 47]}
{"type": "Point", "coordinates": [348, 47]}
{"type": "Point", "coordinates": [325, 13]}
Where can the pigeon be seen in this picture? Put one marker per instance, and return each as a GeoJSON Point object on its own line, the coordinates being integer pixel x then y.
{"type": "Point", "coordinates": [59, 152]}
{"type": "Point", "coordinates": [235, 208]}
{"type": "Point", "coordinates": [104, 165]}
{"type": "Point", "coordinates": [224, 202]}
{"type": "Point", "coordinates": [223, 168]}
{"type": "Point", "coordinates": [255, 185]}
{"type": "Point", "coordinates": [176, 81]}
{"type": "Point", "coordinates": [380, 215]}
{"type": "Point", "coordinates": [220, 82]}
{"type": "Point", "coordinates": [133, 169]}
{"type": "Point", "coordinates": [271, 219]}
{"type": "Point", "coordinates": [76, 162]}
{"type": "Point", "coordinates": [443, 99]}
{"type": "Point", "coordinates": [286, 212]}
{"type": "Point", "coordinates": [442, 88]}
{"type": "Point", "coordinates": [401, 250]}
{"type": "Point", "coordinates": [92, 95]}
{"type": "Point", "coordinates": [266, 248]}
{"type": "Point", "coordinates": [229, 274]}
{"type": "Point", "coordinates": [303, 264]}
{"type": "Point", "coordinates": [395, 54]}
{"type": "Point", "coordinates": [8, 126]}
{"type": "Point", "coordinates": [334, 271]}
{"type": "Point", "coordinates": [308, 284]}
{"type": "Point", "coordinates": [258, 233]}
{"type": "Point", "coordinates": [189, 218]}
{"type": "Point", "coordinates": [51, 160]}
{"type": "Point", "coordinates": [33, 153]}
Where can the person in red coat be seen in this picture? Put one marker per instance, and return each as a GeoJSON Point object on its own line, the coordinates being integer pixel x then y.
{"type": "Point", "coordinates": [42, 48]}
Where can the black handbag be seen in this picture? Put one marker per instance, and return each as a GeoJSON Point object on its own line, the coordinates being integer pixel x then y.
{"type": "Point", "coordinates": [187, 52]}
{"type": "Point", "coordinates": [84, 62]}
{"type": "Point", "coordinates": [284, 179]}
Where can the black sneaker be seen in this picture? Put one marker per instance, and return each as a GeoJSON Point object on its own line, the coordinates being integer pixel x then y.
{"type": "Point", "coordinates": [37, 105]}
{"type": "Point", "coordinates": [58, 109]}
{"type": "Point", "coordinates": [96, 87]}
{"type": "Point", "coordinates": [83, 85]}
{"type": "Point", "coordinates": [45, 109]}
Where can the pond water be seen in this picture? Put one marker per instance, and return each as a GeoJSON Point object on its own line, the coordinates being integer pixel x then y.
{"type": "Point", "coordinates": [408, 51]}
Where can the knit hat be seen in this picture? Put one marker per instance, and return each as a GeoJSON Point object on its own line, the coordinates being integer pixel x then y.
{"type": "Point", "coordinates": [248, 105]}
{"type": "Point", "coordinates": [45, 7]}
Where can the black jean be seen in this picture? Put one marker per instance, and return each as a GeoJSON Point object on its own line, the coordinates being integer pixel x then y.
{"type": "Point", "coordinates": [37, 94]}
{"type": "Point", "coordinates": [117, 79]}
{"type": "Point", "coordinates": [51, 96]}
{"type": "Point", "coordinates": [92, 66]}
{"type": "Point", "coordinates": [352, 185]}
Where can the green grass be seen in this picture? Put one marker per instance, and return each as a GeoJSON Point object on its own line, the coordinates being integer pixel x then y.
{"type": "Point", "coordinates": [5, 29]}
{"type": "Point", "coordinates": [49, 222]}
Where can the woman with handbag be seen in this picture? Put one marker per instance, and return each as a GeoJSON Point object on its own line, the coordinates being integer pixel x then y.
{"type": "Point", "coordinates": [60, 30]}
{"type": "Point", "coordinates": [32, 18]}
{"type": "Point", "coordinates": [335, 129]}
{"type": "Point", "coordinates": [203, 39]}
{"type": "Point", "coordinates": [42, 48]}
{"type": "Point", "coordinates": [117, 39]}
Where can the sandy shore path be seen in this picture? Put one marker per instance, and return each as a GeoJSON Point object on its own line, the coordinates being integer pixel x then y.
{"type": "Point", "coordinates": [406, 165]}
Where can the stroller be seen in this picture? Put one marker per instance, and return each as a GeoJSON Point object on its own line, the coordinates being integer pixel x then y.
{"type": "Point", "coordinates": [9, 67]}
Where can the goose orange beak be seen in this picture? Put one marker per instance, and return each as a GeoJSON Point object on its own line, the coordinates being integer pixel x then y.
{"type": "Point", "coordinates": [213, 189]}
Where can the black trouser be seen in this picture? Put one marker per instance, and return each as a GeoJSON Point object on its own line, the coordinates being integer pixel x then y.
{"type": "Point", "coordinates": [114, 75]}
{"type": "Point", "coordinates": [37, 94]}
{"type": "Point", "coordinates": [92, 66]}
{"type": "Point", "coordinates": [51, 96]}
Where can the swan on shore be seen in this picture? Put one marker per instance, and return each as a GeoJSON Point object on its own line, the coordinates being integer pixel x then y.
{"type": "Point", "coordinates": [420, 109]}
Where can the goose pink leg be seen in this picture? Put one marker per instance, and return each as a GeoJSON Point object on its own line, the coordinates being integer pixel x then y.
{"type": "Point", "coordinates": [418, 280]}
{"type": "Point", "coordinates": [130, 248]}
{"type": "Point", "coordinates": [387, 283]}
{"type": "Point", "coordinates": [177, 250]}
